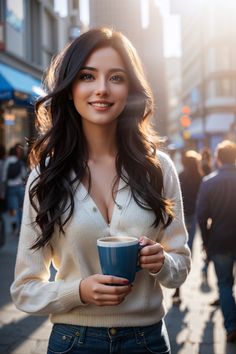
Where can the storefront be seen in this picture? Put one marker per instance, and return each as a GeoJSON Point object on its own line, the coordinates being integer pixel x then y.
{"type": "Point", "coordinates": [213, 129]}
{"type": "Point", "coordinates": [218, 127]}
{"type": "Point", "coordinates": [18, 91]}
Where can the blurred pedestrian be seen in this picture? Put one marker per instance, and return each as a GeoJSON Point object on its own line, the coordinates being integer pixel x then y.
{"type": "Point", "coordinates": [20, 153]}
{"type": "Point", "coordinates": [190, 179]}
{"type": "Point", "coordinates": [2, 195]}
{"type": "Point", "coordinates": [99, 173]}
{"type": "Point", "coordinates": [206, 160]}
{"type": "Point", "coordinates": [206, 165]}
{"type": "Point", "coordinates": [14, 173]}
{"type": "Point", "coordinates": [216, 216]}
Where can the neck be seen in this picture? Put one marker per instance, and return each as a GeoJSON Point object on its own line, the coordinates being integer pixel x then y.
{"type": "Point", "coordinates": [101, 141]}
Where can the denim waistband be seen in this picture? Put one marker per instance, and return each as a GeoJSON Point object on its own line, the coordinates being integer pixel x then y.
{"type": "Point", "coordinates": [106, 333]}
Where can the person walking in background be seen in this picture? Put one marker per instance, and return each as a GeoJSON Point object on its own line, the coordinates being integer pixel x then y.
{"type": "Point", "coordinates": [217, 221]}
{"type": "Point", "coordinates": [98, 172]}
{"type": "Point", "coordinates": [20, 153]}
{"type": "Point", "coordinates": [206, 161]}
{"type": "Point", "coordinates": [2, 195]}
{"type": "Point", "coordinates": [206, 165]}
{"type": "Point", "coordinates": [190, 179]}
{"type": "Point", "coordinates": [14, 173]}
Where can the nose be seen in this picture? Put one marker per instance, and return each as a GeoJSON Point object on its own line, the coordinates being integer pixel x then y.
{"type": "Point", "coordinates": [102, 87]}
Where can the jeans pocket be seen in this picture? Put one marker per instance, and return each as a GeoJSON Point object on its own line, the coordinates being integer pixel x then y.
{"type": "Point", "coordinates": [156, 339]}
{"type": "Point", "coordinates": [60, 343]}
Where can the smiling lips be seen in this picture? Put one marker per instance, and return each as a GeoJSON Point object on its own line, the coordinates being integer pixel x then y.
{"type": "Point", "coordinates": [101, 105]}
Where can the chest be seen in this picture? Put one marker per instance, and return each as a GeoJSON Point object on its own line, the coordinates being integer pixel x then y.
{"type": "Point", "coordinates": [103, 188]}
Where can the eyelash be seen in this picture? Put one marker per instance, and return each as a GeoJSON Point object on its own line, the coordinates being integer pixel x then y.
{"type": "Point", "coordinates": [90, 77]}
{"type": "Point", "coordinates": [118, 78]}
{"type": "Point", "coordinates": [86, 77]}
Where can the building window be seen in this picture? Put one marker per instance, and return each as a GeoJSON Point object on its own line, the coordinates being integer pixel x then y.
{"type": "Point", "coordinates": [49, 37]}
{"type": "Point", "coordinates": [222, 87]}
{"type": "Point", "coordinates": [33, 33]}
{"type": "Point", "coordinates": [75, 4]}
{"type": "Point", "coordinates": [223, 58]}
{"type": "Point", "coordinates": [211, 60]}
{"type": "Point", "coordinates": [15, 27]}
{"type": "Point", "coordinates": [226, 88]}
{"type": "Point", "coordinates": [219, 58]}
{"type": "Point", "coordinates": [2, 11]}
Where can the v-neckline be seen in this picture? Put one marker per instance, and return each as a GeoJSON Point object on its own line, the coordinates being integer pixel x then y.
{"type": "Point", "coordinates": [95, 206]}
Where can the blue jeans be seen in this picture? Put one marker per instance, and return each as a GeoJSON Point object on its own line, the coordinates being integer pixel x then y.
{"type": "Point", "coordinates": [191, 224]}
{"type": "Point", "coordinates": [121, 340]}
{"type": "Point", "coordinates": [224, 264]}
{"type": "Point", "coordinates": [15, 198]}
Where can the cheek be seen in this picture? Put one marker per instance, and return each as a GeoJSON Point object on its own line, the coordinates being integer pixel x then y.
{"type": "Point", "coordinates": [123, 95]}
{"type": "Point", "coordinates": [77, 93]}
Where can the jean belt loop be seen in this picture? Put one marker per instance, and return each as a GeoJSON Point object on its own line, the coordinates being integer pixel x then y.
{"type": "Point", "coordinates": [82, 334]}
{"type": "Point", "coordinates": [139, 335]}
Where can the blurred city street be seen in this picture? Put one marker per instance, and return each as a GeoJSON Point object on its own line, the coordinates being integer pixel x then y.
{"type": "Point", "coordinates": [194, 327]}
{"type": "Point", "coordinates": [188, 53]}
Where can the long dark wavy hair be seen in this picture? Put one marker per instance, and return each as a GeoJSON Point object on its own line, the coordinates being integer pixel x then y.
{"type": "Point", "coordinates": [60, 147]}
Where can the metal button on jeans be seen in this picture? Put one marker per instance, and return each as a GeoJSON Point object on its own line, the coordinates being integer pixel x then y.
{"type": "Point", "coordinates": [113, 331]}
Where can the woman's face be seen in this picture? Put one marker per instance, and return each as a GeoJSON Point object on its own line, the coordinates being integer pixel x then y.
{"type": "Point", "coordinates": [101, 88]}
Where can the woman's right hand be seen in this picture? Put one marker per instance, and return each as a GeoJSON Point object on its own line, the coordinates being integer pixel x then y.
{"type": "Point", "coordinates": [104, 290]}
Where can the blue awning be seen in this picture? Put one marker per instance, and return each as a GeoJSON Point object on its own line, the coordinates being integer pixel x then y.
{"type": "Point", "coordinates": [18, 85]}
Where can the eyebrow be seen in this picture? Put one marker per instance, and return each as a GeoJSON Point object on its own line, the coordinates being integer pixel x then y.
{"type": "Point", "coordinates": [111, 70]}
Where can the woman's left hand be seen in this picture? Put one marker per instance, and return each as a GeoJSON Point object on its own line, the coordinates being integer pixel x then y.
{"type": "Point", "coordinates": [152, 255]}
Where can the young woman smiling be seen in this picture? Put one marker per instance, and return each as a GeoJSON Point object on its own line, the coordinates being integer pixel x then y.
{"type": "Point", "coordinates": [97, 171]}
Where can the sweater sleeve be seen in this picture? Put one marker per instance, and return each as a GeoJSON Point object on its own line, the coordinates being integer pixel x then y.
{"type": "Point", "coordinates": [173, 238]}
{"type": "Point", "coordinates": [32, 291]}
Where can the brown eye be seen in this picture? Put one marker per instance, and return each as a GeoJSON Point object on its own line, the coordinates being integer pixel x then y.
{"type": "Point", "coordinates": [117, 78]}
{"type": "Point", "coordinates": [86, 77]}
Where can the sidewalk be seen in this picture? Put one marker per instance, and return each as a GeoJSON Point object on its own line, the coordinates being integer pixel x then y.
{"type": "Point", "coordinates": [194, 327]}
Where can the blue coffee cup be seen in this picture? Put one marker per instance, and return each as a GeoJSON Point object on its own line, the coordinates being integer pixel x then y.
{"type": "Point", "coordinates": [119, 255]}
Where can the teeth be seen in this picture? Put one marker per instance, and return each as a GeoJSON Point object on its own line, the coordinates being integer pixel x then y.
{"type": "Point", "coordinates": [100, 104]}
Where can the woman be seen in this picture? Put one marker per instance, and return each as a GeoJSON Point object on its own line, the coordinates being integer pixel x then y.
{"type": "Point", "coordinates": [98, 174]}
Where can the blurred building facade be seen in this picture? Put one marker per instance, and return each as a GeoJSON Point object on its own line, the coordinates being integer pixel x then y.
{"type": "Point", "coordinates": [208, 69]}
{"type": "Point", "coordinates": [174, 89]}
{"type": "Point", "coordinates": [126, 16]}
{"type": "Point", "coordinates": [73, 20]}
{"type": "Point", "coordinates": [29, 37]}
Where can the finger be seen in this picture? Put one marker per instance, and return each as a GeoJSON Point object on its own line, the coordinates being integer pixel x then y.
{"type": "Point", "coordinates": [110, 279]}
{"type": "Point", "coordinates": [105, 299]}
{"type": "Point", "coordinates": [143, 241]}
{"type": "Point", "coordinates": [151, 259]}
{"type": "Point", "coordinates": [114, 290]}
{"type": "Point", "coordinates": [150, 250]}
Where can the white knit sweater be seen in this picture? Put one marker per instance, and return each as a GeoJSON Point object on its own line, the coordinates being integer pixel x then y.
{"type": "Point", "coordinates": [75, 257]}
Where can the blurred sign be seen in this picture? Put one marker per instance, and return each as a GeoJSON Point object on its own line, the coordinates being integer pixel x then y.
{"type": "Point", "coordinates": [186, 134]}
{"type": "Point", "coordinates": [9, 119]}
{"type": "Point", "coordinates": [186, 110]}
{"type": "Point", "coordinates": [185, 121]}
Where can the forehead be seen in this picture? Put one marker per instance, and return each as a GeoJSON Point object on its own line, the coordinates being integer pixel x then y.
{"type": "Point", "coordinates": [106, 58]}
